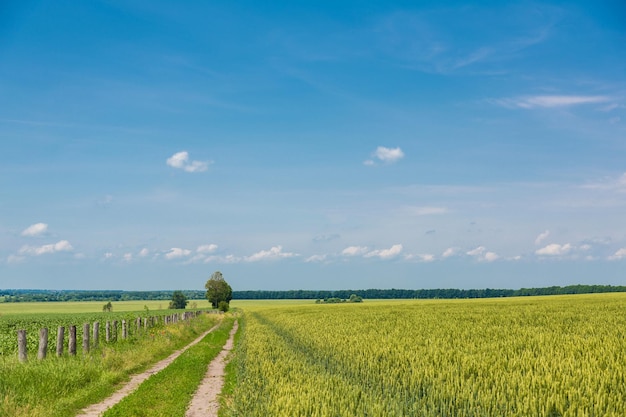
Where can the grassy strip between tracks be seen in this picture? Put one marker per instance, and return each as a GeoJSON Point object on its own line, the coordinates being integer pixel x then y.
{"type": "Point", "coordinates": [230, 375]}
{"type": "Point", "coordinates": [169, 392]}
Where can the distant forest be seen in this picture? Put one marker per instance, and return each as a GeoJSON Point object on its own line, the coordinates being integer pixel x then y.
{"type": "Point", "coordinates": [15, 296]}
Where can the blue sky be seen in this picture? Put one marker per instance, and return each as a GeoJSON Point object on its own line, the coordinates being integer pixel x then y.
{"type": "Point", "coordinates": [313, 145]}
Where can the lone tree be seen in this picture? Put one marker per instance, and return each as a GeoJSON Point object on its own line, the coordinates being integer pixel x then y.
{"type": "Point", "coordinates": [218, 290]}
{"type": "Point", "coordinates": [179, 301]}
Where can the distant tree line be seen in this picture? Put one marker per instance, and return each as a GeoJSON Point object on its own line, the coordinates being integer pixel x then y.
{"type": "Point", "coordinates": [13, 296]}
{"type": "Point", "coordinates": [16, 296]}
{"type": "Point", "coordinates": [424, 293]}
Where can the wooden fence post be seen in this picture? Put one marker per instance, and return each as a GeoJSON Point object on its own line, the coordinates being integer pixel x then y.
{"type": "Point", "coordinates": [96, 334]}
{"type": "Point", "coordinates": [124, 330]}
{"type": "Point", "coordinates": [138, 322]}
{"type": "Point", "coordinates": [43, 343]}
{"type": "Point", "coordinates": [107, 330]}
{"type": "Point", "coordinates": [60, 337]}
{"type": "Point", "coordinates": [72, 343]}
{"type": "Point", "coordinates": [114, 330]}
{"type": "Point", "coordinates": [21, 345]}
{"type": "Point", "coordinates": [86, 338]}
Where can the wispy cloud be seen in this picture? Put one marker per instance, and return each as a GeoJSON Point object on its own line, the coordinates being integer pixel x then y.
{"type": "Point", "coordinates": [14, 259]}
{"type": "Point", "coordinates": [60, 246]}
{"type": "Point", "coordinates": [541, 237]}
{"type": "Point", "coordinates": [223, 259]}
{"type": "Point", "coordinates": [180, 160]}
{"type": "Point", "coordinates": [421, 257]}
{"type": "Point", "coordinates": [276, 252]}
{"type": "Point", "coordinates": [476, 251]}
{"type": "Point", "coordinates": [449, 252]}
{"type": "Point", "coordinates": [385, 155]}
{"type": "Point", "coordinates": [316, 258]}
{"type": "Point", "coordinates": [608, 184]}
{"type": "Point", "coordinates": [549, 101]}
{"type": "Point", "coordinates": [35, 229]}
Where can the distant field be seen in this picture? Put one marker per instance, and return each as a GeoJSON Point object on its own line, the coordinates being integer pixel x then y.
{"type": "Point", "coordinates": [88, 306]}
{"type": "Point", "coordinates": [120, 306]}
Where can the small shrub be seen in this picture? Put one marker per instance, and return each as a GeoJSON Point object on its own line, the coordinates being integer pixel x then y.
{"type": "Point", "coordinates": [223, 306]}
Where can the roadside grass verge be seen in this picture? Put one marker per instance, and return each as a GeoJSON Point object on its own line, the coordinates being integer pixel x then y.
{"type": "Point", "coordinates": [169, 392]}
{"type": "Point", "coordinates": [63, 386]}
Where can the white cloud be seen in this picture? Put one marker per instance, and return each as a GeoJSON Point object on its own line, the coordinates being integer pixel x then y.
{"type": "Point", "coordinates": [554, 249]}
{"type": "Point", "coordinates": [316, 258]}
{"type": "Point", "coordinates": [385, 253]}
{"type": "Point", "coordinates": [35, 229]}
{"type": "Point", "coordinates": [207, 248]}
{"type": "Point", "coordinates": [127, 257]}
{"type": "Point", "coordinates": [175, 253]}
{"type": "Point", "coordinates": [482, 254]}
{"type": "Point", "coordinates": [354, 250]}
{"type": "Point", "coordinates": [275, 252]}
{"type": "Point", "coordinates": [490, 257]}
{"type": "Point", "coordinates": [550, 101]}
{"type": "Point", "coordinates": [228, 259]}
{"type": "Point", "coordinates": [476, 251]}
{"type": "Point", "coordinates": [180, 160]}
{"type": "Point", "coordinates": [108, 255]}
{"type": "Point", "coordinates": [144, 252]}
{"type": "Point", "coordinates": [386, 155]}
{"type": "Point", "coordinates": [449, 252]}
{"type": "Point", "coordinates": [60, 246]}
{"type": "Point", "coordinates": [542, 237]}
{"type": "Point", "coordinates": [620, 254]}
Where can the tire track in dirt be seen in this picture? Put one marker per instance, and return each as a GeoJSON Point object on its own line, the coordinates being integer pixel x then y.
{"type": "Point", "coordinates": [205, 401]}
{"type": "Point", "coordinates": [96, 410]}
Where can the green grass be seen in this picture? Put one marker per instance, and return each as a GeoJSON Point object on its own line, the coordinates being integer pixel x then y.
{"type": "Point", "coordinates": [89, 306]}
{"type": "Point", "coordinates": [62, 386]}
{"type": "Point", "coordinates": [169, 392]}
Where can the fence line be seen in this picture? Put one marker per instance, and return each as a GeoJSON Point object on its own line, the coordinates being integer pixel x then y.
{"type": "Point", "coordinates": [111, 333]}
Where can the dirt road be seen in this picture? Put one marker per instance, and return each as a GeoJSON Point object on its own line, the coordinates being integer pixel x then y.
{"type": "Point", "coordinates": [205, 401]}
{"type": "Point", "coordinates": [96, 410]}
